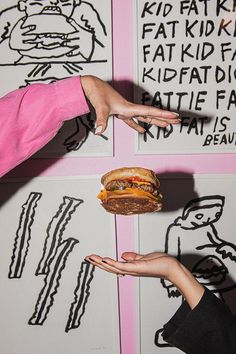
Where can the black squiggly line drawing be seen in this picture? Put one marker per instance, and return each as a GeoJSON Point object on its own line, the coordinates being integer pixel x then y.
{"type": "Point", "coordinates": [52, 282]}
{"type": "Point", "coordinates": [55, 231]}
{"type": "Point", "coordinates": [80, 135]}
{"type": "Point", "coordinates": [23, 235]}
{"type": "Point", "coordinates": [210, 270]}
{"type": "Point", "coordinates": [81, 295]}
{"type": "Point", "coordinates": [40, 69]}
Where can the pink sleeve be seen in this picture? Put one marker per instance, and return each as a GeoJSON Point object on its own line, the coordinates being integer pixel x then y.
{"type": "Point", "coordinates": [32, 116]}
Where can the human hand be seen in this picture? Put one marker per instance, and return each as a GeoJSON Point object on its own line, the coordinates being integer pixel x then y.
{"type": "Point", "coordinates": [227, 251]}
{"type": "Point", "coordinates": [154, 264]}
{"type": "Point", "coordinates": [22, 37]}
{"type": "Point", "coordinates": [74, 40]}
{"type": "Point", "coordinates": [107, 102]}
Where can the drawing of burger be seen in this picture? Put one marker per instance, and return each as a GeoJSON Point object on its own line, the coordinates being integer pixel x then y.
{"type": "Point", "coordinates": [50, 35]}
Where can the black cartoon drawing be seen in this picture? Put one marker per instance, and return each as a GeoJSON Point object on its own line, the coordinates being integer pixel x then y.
{"type": "Point", "coordinates": [56, 252]}
{"type": "Point", "coordinates": [52, 282]}
{"type": "Point", "coordinates": [55, 231]}
{"type": "Point", "coordinates": [195, 231]}
{"type": "Point", "coordinates": [84, 125]}
{"type": "Point", "coordinates": [193, 239]}
{"type": "Point", "coordinates": [49, 31]}
{"type": "Point", "coordinates": [23, 235]}
{"type": "Point", "coordinates": [81, 295]}
{"type": "Point", "coordinates": [75, 140]}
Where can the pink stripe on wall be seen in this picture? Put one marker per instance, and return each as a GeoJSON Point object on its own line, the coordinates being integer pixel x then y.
{"type": "Point", "coordinates": [123, 148]}
{"type": "Point", "coordinates": [125, 242]}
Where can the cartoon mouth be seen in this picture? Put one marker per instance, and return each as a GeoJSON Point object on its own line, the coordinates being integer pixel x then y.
{"type": "Point", "coordinates": [51, 10]}
{"type": "Point", "coordinates": [195, 224]}
{"type": "Point", "coordinates": [203, 223]}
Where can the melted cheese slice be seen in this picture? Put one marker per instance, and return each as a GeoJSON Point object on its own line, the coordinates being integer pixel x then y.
{"type": "Point", "coordinates": [138, 182]}
{"type": "Point", "coordinates": [128, 192]}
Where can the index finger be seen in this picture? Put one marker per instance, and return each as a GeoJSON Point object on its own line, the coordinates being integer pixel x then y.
{"type": "Point", "coordinates": [150, 111]}
{"type": "Point", "coordinates": [99, 262]}
{"type": "Point", "coordinates": [73, 23]}
{"type": "Point", "coordinates": [28, 28]}
{"type": "Point", "coordinates": [132, 124]}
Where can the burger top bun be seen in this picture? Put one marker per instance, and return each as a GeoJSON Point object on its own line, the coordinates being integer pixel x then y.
{"type": "Point", "coordinates": [49, 23]}
{"type": "Point", "coordinates": [129, 172]}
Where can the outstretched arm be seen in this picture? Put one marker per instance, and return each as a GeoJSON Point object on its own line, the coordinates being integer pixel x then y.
{"type": "Point", "coordinates": [155, 264]}
{"type": "Point", "coordinates": [31, 116]}
{"type": "Point", "coordinates": [202, 324]}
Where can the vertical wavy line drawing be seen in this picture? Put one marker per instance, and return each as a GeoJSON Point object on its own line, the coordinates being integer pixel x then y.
{"type": "Point", "coordinates": [55, 231]}
{"type": "Point", "coordinates": [23, 236]}
{"type": "Point", "coordinates": [81, 295]}
{"type": "Point", "coordinates": [52, 282]}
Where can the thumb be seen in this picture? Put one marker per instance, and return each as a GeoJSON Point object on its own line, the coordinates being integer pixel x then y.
{"type": "Point", "coordinates": [101, 124]}
{"type": "Point", "coordinates": [130, 256]}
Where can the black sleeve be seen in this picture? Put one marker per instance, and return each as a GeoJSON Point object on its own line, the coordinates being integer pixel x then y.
{"type": "Point", "coordinates": [210, 328]}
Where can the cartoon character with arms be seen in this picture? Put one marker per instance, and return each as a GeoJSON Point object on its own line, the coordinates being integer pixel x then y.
{"type": "Point", "coordinates": [195, 231]}
{"type": "Point", "coordinates": [51, 29]}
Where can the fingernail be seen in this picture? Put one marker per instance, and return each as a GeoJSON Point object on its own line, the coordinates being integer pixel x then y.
{"type": "Point", "coordinates": [177, 114]}
{"type": "Point", "coordinates": [98, 129]}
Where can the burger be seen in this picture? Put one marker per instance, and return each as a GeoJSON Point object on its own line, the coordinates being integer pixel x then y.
{"type": "Point", "coordinates": [130, 190]}
{"type": "Point", "coordinates": [49, 34]}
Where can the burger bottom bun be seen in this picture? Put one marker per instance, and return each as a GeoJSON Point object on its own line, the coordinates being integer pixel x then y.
{"type": "Point", "coordinates": [131, 205]}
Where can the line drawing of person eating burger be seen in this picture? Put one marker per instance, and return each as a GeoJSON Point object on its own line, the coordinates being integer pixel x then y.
{"type": "Point", "coordinates": [49, 31]}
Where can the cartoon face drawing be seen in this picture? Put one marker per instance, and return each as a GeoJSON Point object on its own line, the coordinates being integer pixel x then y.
{"type": "Point", "coordinates": [198, 218]}
{"type": "Point", "coordinates": [57, 7]}
{"type": "Point", "coordinates": [201, 212]}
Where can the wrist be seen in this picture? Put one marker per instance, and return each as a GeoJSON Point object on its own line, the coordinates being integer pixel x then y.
{"type": "Point", "coordinates": [87, 82]}
{"type": "Point", "coordinates": [188, 286]}
{"type": "Point", "coordinates": [175, 272]}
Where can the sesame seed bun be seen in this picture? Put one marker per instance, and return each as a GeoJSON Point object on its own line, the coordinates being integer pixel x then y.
{"type": "Point", "coordinates": [129, 172]}
{"type": "Point", "coordinates": [49, 23]}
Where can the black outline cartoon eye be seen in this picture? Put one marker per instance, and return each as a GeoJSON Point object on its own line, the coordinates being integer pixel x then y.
{"type": "Point", "coordinates": [199, 216]}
